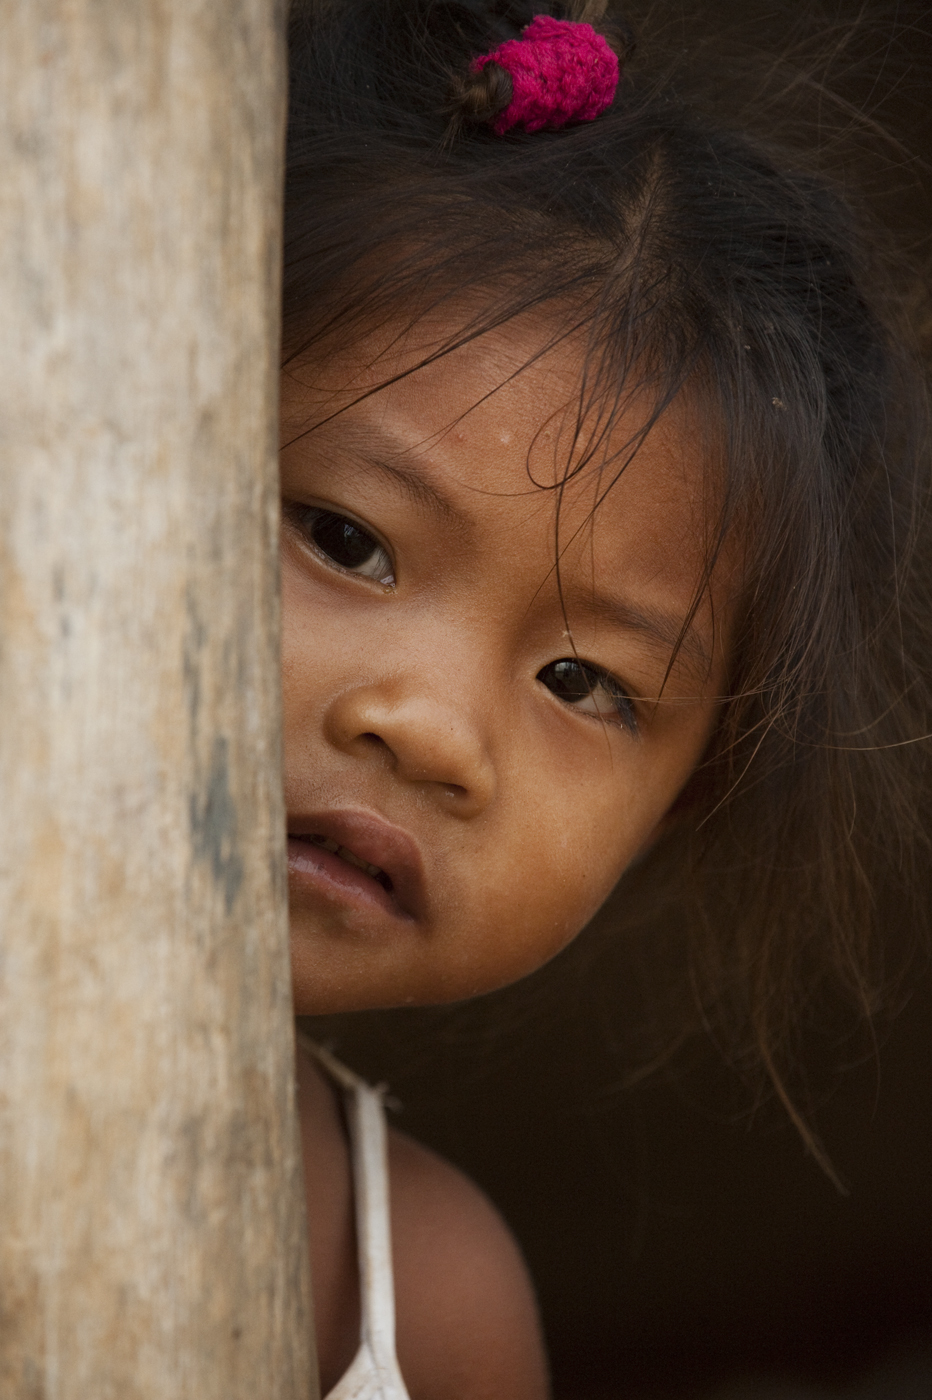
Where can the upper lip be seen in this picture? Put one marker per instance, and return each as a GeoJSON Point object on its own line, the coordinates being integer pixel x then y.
{"type": "Point", "coordinates": [372, 839]}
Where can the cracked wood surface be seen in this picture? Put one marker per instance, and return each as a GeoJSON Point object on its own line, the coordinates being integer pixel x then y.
{"type": "Point", "coordinates": [152, 1235]}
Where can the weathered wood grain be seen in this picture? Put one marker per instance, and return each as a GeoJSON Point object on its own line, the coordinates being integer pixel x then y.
{"type": "Point", "coordinates": [152, 1240]}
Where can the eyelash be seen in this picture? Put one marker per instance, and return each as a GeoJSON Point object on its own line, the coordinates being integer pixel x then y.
{"type": "Point", "coordinates": [594, 677]}
{"type": "Point", "coordinates": [341, 528]}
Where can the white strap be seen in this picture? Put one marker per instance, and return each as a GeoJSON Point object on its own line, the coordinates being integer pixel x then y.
{"type": "Point", "coordinates": [366, 1119]}
{"type": "Point", "coordinates": [370, 1161]}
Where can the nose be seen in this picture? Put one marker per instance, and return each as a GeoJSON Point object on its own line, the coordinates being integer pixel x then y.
{"type": "Point", "coordinates": [422, 739]}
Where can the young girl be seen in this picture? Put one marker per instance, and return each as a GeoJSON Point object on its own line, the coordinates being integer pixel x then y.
{"type": "Point", "coordinates": [603, 490]}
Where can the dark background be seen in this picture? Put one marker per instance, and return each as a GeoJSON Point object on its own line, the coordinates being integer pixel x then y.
{"type": "Point", "coordinates": [683, 1241]}
{"type": "Point", "coordinates": [679, 1242]}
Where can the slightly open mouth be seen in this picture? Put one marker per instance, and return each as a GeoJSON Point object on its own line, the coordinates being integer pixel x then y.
{"type": "Point", "coordinates": [326, 843]}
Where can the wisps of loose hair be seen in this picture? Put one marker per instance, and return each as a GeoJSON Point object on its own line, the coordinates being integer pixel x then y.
{"type": "Point", "coordinates": [692, 255]}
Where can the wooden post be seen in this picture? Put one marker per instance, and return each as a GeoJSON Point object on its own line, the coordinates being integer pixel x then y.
{"type": "Point", "coordinates": [152, 1238]}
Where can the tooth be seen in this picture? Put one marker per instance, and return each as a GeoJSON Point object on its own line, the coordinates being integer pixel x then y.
{"type": "Point", "coordinates": [351, 859]}
{"type": "Point", "coordinates": [348, 856]}
{"type": "Point", "coordinates": [326, 843]}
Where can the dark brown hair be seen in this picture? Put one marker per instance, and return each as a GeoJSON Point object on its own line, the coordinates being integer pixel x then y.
{"type": "Point", "coordinates": [691, 253]}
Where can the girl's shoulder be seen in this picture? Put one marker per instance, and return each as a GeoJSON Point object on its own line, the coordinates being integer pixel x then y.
{"type": "Point", "coordinates": [467, 1321]}
{"type": "Point", "coordinates": [467, 1326]}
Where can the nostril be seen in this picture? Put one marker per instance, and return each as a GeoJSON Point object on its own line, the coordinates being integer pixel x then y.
{"type": "Point", "coordinates": [418, 742]}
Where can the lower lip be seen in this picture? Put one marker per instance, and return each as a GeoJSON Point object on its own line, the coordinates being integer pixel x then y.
{"type": "Point", "coordinates": [326, 874]}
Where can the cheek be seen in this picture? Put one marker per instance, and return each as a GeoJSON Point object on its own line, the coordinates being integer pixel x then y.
{"type": "Point", "coordinates": [543, 886]}
{"type": "Point", "coordinates": [553, 860]}
{"type": "Point", "coordinates": [294, 639]}
{"type": "Point", "coordinates": [310, 637]}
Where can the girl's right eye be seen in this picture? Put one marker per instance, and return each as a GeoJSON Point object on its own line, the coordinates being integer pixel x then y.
{"type": "Point", "coordinates": [342, 542]}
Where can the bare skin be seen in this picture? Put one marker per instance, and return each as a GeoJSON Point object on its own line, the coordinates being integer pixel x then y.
{"type": "Point", "coordinates": [470, 761]}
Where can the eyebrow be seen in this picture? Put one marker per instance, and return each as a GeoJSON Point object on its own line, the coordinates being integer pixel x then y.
{"type": "Point", "coordinates": [664, 629]}
{"type": "Point", "coordinates": [401, 469]}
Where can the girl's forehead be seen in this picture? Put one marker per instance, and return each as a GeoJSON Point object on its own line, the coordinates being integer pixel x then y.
{"type": "Point", "coordinates": [503, 410]}
{"type": "Point", "coordinates": [488, 435]}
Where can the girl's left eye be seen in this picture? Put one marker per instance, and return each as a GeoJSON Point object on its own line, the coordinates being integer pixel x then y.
{"type": "Point", "coordinates": [342, 542]}
{"type": "Point", "coordinates": [589, 689]}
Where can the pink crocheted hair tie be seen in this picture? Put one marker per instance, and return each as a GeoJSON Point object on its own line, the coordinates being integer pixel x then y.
{"type": "Point", "coordinates": [561, 71]}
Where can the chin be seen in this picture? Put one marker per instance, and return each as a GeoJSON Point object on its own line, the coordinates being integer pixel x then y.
{"type": "Point", "coordinates": [319, 991]}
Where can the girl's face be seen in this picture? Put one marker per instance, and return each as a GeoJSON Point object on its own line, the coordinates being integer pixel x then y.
{"type": "Point", "coordinates": [470, 763]}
